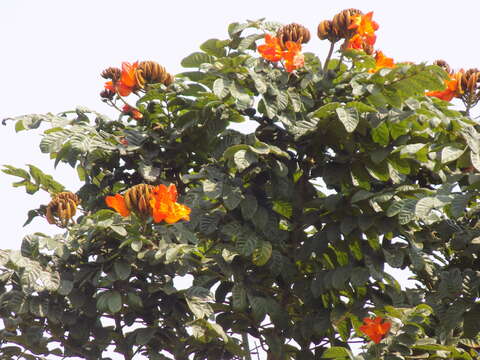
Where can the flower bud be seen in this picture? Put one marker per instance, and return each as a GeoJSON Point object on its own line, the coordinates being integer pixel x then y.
{"type": "Point", "coordinates": [62, 207]}
{"type": "Point", "coordinates": [444, 65]}
{"type": "Point", "coordinates": [112, 73]}
{"type": "Point", "coordinates": [107, 94]}
{"type": "Point", "coordinates": [150, 72]}
{"type": "Point", "coordinates": [293, 32]}
{"type": "Point", "coordinates": [137, 199]}
{"type": "Point", "coordinates": [341, 23]}
{"type": "Point", "coordinates": [469, 81]}
{"type": "Point", "coordinates": [325, 31]}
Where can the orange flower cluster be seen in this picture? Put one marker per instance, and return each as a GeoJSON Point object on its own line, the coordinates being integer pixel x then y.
{"type": "Point", "coordinates": [375, 328]}
{"type": "Point", "coordinates": [381, 61]}
{"type": "Point", "coordinates": [365, 31]}
{"type": "Point", "coordinates": [127, 82]}
{"type": "Point", "coordinates": [130, 110]}
{"type": "Point", "coordinates": [453, 88]}
{"type": "Point", "coordinates": [133, 77]}
{"type": "Point", "coordinates": [273, 51]}
{"type": "Point", "coordinates": [162, 205]}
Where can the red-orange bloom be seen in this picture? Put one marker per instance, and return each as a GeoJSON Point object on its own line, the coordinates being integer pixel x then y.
{"type": "Point", "coordinates": [127, 82]}
{"type": "Point", "coordinates": [164, 205]}
{"type": "Point", "coordinates": [365, 26]}
{"type": "Point", "coordinates": [294, 59]}
{"type": "Point", "coordinates": [134, 113]}
{"type": "Point", "coordinates": [117, 203]}
{"type": "Point", "coordinates": [375, 328]}
{"type": "Point", "coordinates": [381, 61]}
{"type": "Point", "coordinates": [271, 50]}
{"type": "Point", "coordinates": [453, 88]}
{"type": "Point", "coordinates": [356, 42]}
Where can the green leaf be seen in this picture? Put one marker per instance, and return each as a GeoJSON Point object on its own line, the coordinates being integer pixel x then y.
{"type": "Point", "coordinates": [232, 196]}
{"type": "Point", "coordinates": [109, 301]}
{"type": "Point", "coordinates": [143, 336]}
{"type": "Point", "coordinates": [199, 307]}
{"type": "Point", "coordinates": [196, 59]}
{"type": "Point", "coordinates": [249, 207]}
{"type": "Point", "coordinates": [220, 87]}
{"type": "Point", "coordinates": [326, 110]}
{"type": "Point", "coordinates": [214, 47]}
{"type": "Point", "coordinates": [336, 352]}
{"type": "Point", "coordinates": [258, 81]}
{"type": "Point", "coordinates": [246, 243]}
{"type": "Point", "coordinates": [122, 269]}
{"type": "Point", "coordinates": [284, 208]}
{"type": "Point", "coordinates": [450, 153]}
{"type": "Point", "coordinates": [361, 107]}
{"type": "Point", "coordinates": [212, 189]}
{"type": "Point", "coordinates": [244, 158]}
{"type": "Point", "coordinates": [348, 117]}
{"type": "Point", "coordinates": [262, 253]}
{"type": "Point", "coordinates": [380, 134]}
{"type": "Point", "coordinates": [248, 42]}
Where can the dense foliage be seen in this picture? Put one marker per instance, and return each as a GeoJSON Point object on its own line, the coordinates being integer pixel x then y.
{"type": "Point", "coordinates": [351, 167]}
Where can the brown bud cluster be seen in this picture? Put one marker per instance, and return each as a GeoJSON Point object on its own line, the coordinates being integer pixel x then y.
{"type": "Point", "coordinates": [338, 28]}
{"type": "Point", "coordinates": [470, 86]}
{"type": "Point", "coordinates": [62, 208]}
{"type": "Point", "coordinates": [112, 73]}
{"type": "Point", "coordinates": [342, 21]}
{"type": "Point", "coordinates": [107, 94]}
{"type": "Point", "coordinates": [137, 199]}
{"type": "Point", "coordinates": [150, 72]}
{"type": "Point", "coordinates": [293, 32]}
{"type": "Point", "coordinates": [470, 80]}
{"type": "Point", "coordinates": [325, 31]}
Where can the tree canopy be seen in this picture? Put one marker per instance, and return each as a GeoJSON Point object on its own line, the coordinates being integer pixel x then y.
{"type": "Point", "coordinates": [356, 162]}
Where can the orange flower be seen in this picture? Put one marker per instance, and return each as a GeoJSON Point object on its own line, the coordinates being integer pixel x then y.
{"type": "Point", "coordinates": [164, 205]}
{"type": "Point", "coordinates": [177, 212]}
{"type": "Point", "coordinates": [134, 113]}
{"type": "Point", "coordinates": [117, 203]}
{"type": "Point", "coordinates": [127, 82]}
{"type": "Point", "coordinates": [382, 62]}
{"type": "Point", "coordinates": [356, 42]}
{"type": "Point", "coordinates": [365, 26]}
{"type": "Point", "coordinates": [375, 328]}
{"type": "Point", "coordinates": [271, 50]}
{"type": "Point", "coordinates": [453, 88]}
{"type": "Point", "coordinates": [293, 58]}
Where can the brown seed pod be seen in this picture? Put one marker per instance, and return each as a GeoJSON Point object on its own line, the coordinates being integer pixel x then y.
{"type": "Point", "coordinates": [444, 65]}
{"type": "Point", "coordinates": [112, 73]}
{"type": "Point", "coordinates": [150, 72]}
{"type": "Point", "coordinates": [325, 31]}
{"type": "Point", "coordinates": [137, 199]}
{"type": "Point", "coordinates": [342, 21]}
{"type": "Point", "coordinates": [293, 32]}
{"type": "Point", "coordinates": [62, 207]}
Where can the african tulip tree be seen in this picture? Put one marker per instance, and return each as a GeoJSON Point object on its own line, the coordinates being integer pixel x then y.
{"type": "Point", "coordinates": [356, 161]}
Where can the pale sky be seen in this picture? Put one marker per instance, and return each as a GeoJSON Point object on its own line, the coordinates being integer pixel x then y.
{"type": "Point", "coordinates": [54, 50]}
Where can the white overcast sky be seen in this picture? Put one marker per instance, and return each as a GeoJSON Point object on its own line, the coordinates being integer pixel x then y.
{"type": "Point", "coordinates": [52, 52]}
